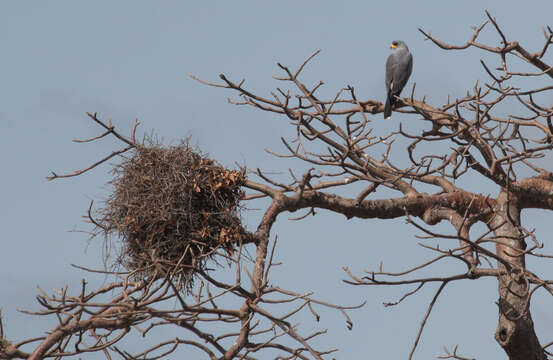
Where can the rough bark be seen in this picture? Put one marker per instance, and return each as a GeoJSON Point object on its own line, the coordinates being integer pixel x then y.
{"type": "Point", "coordinates": [515, 331]}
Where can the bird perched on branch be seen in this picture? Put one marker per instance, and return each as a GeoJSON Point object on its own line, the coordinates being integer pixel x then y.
{"type": "Point", "coordinates": [398, 70]}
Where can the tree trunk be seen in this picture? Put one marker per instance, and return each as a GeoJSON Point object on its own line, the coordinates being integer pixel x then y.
{"type": "Point", "coordinates": [515, 331]}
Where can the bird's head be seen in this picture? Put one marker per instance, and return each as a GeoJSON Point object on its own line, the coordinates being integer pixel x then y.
{"type": "Point", "coordinates": [398, 44]}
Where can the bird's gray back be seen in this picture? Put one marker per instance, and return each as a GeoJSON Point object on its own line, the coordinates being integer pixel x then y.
{"type": "Point", "coordinates": [398, 69]}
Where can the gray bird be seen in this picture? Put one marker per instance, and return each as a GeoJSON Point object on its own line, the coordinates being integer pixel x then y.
{"type": "Point", "coordinates": [398, 70]}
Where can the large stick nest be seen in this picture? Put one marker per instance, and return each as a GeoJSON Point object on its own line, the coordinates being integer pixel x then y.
{"type": "Point", "coordinates": [173, 208]}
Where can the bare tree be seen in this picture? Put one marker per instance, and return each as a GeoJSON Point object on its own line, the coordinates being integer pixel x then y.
{"type": "Point", "coordinates": [247, 318]}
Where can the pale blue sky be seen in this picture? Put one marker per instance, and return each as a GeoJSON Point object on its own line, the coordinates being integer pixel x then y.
{"type": "Point", "coordinates": [129, 59]}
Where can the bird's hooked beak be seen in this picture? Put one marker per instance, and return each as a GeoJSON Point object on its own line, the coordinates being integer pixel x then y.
{"type": "Point", "coordinates": [393, 46]}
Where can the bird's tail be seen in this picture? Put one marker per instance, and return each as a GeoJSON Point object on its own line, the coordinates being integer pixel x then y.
{"type": "Point", "coordinates": [390, 100]}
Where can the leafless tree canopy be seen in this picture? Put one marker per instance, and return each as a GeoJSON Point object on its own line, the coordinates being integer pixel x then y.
{"type": "Point", "coordinates": [246, 318]}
